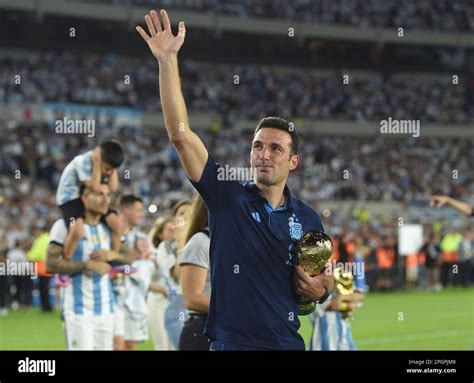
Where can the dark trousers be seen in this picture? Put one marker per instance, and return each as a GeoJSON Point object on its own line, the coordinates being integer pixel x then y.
{"type": "Point", "coordinates": [44, 293]}
{"type": "Point", "coordinates": [192, 336]}
{"type": "Point", "coordinates": [465, 273]}
{"type": "Point", "coordinates": [4, 291]}
{"type": "Point", "coordinates": [24, 289]}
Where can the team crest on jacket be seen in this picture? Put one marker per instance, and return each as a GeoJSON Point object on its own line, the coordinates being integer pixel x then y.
{"type": "Point", "coordinates": [295, 227]}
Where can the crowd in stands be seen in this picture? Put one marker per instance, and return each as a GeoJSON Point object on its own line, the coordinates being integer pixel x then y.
{"type": "Point", "coordinates": [445, 15]}
{"type": "Point", "coordinates": [236, 92]}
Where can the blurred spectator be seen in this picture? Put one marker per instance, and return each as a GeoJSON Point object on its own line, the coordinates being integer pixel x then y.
{"type": "Point", "coordinates": [411, 270]}
{"type": "Point", "coordinates": [466, 252]}
{"type": "Point", "coordinates": [4, 279]}
{"type": "Point", "coordinates": [450, 257]}
{"type": "Point", "coordinates": [95, 79]}
{"type": "Point", "coordinates": [431, 249]}
{"type": "Point", "coordinates": [22, 283]}
{"type": "Point", "coordinates": [385, 261]}
{"type": "Point", "coordinates": [37, 253]}
{"type": "Point", "coordinates": [444, 15]}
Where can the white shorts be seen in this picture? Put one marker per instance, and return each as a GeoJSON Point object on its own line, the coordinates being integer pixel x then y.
{"type": "Point", "coordinates": [89, 332]}
{"type": "Point", "coordinates": [119, 320]}
{"type": "Point", "coordinates": [136, 327]}
{"type": "Point", "coordinates": [331, 332]}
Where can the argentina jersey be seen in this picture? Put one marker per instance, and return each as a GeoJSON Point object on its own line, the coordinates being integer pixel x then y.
{"type": "Point", "coordinates": [129, 241]}
{"type": "Point", "coordinates": [89, 293]}
{"type": "Point", "coordinates": [75, 173]}
{"type": "Point", "coordinates": [131, 237]}
{"type": "Point", "coordinates": [166, 260]}
{"type": "Point", "coordinates": [331, 331]}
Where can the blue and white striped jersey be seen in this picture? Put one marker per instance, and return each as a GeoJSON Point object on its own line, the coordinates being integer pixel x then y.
{"type": "Point", "coordinates": [330, 330]}
{"type": "Point", "coordinates": [88, 293]}
{"type": "Point", "coordinates": [136, 287]}
{"type": "Point", "coordinates": [73, 175]}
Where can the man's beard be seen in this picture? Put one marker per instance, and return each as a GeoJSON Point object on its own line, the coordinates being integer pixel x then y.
{"type": "Point", "coordinates": [265, 181]}
{"type": "Point", "coordinates": [97, 211]}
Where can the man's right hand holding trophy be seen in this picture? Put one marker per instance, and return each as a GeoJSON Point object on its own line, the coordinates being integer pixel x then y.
{"type": "Point", "coordinates": [313, 252]}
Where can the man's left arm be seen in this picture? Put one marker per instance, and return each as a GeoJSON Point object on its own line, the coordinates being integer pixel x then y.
{"type": "Point", "coordinates": [124, 256]}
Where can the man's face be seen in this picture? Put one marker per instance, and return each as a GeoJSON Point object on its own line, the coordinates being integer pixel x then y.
{"type": "Point", "coordinates": [134, 213]}
{"type": "Point", "coordinates": [106, 169]}
{"type": "Point", "coordinates": [270, 158]}
{"type": "Point", "coordinates": [97, 202]}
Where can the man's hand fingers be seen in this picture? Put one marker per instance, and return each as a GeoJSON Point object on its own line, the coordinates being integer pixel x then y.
{"type": "Point", "coordinates": [300, 286]}
{"type": "Point", "coordinates": [181, 29]}
{"type": "Point", "coordinates": [166, 20]}
{"type": "Point", "coordinates": [299, 289]}
{"type": "Point", "coordinates": [301, 274]}
{"type": "Point", "coordinates": [437, 200]}
{"type": "Point", "coordinates": [105, 269]}
{"type": "Point", "coordinates": [156, 21]}
{"type": "Point", "coordinates": [142, 33]}
{"type": "Point", "coordinates": [150, 25]}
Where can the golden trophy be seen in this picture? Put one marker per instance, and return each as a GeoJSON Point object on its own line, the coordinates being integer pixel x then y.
{"type": "Point", "coordinates": [312, 251]}
{"type": "Point", "coordinates": [345, 287]}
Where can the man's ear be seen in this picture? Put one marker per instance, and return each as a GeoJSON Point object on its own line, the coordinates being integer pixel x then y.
{"type": "Point", "coordinates": [295, 160]}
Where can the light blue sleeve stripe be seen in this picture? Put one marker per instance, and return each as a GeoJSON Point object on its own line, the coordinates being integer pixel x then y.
{"type": "Point", "coordinates": [360, 276]}
{"type": "Point", "coordinates": [112, 298]}
{"type": "Point", "coordinates": [78, 303]}
{"type": "Point", "coordinates": [350, 339]}
{"type": "Point", "coordinates": [339, 328]}
{"type": "Point", "coordinates": [311, 340]}
{"type": "Point", "coordinates": [96, 278]}
{"type": "Point", "coordinates": [323, 326]}
{"type": "Point", "coordinates": [110, 287]}
{"type": "Point", "coordinates": [88, 166]}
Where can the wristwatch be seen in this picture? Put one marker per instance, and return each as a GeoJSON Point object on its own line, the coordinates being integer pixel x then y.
{"type": "Point", "coordinates": [325, 296]}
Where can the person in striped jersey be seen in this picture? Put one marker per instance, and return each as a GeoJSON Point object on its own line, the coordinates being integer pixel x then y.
{"type": "Point", "coordinates": [131, 315]}
{"type": "Point", "coordinates": [137, 285]}
{"type": "Point", "coordinates": [331, 329]}
{"type": "Point", "coordinates": [88, 301]}
{"type": "Point", "coordinates": [131, 214]}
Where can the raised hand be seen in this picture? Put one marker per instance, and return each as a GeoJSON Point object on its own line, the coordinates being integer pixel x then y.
{"type": "Point", "coordinates": [438, 200]}
{"type": "Point", "coordinates": [163, 44]}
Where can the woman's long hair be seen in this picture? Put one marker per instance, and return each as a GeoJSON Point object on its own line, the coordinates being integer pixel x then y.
{"type": "Point", "coordinates": [157, 230]}
{"type": "Point", "coordinates": [196, 222]}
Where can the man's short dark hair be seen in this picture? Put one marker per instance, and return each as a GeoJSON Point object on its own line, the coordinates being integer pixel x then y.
{"type": "Point", "coordinates": [128, 200]}
{"type": "Point", "coordinates": [112, 153]}
{"type": "Point", "coordinates": [281, 124]}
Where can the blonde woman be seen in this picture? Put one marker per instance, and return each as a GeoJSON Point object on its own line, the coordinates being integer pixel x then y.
{"type": "Point", "coordinates": [175, 313]}
{"type": "Point", "coordinates": [162, 230]}
{"type": "Point", "coordinates": [195, 280]}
